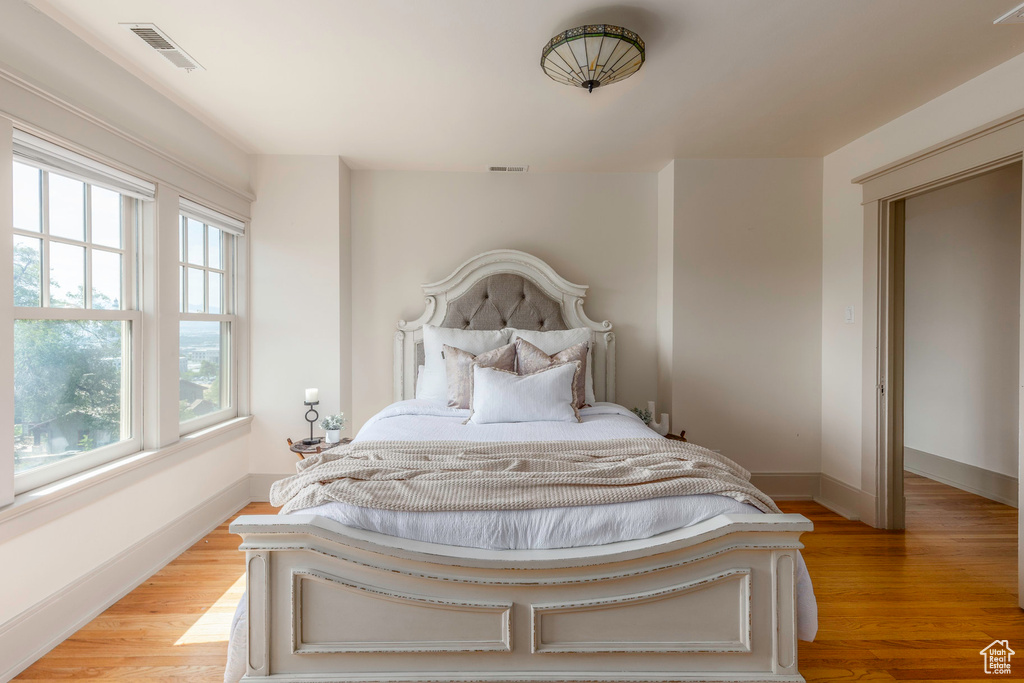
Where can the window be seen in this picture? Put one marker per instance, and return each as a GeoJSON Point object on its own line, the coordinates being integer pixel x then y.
{"type": "Point", "coordinates": [76, 323]}
{"type": "Point", "coordinates": [93, 259]}
{"type": "Point", "coordinates": [206, 253]}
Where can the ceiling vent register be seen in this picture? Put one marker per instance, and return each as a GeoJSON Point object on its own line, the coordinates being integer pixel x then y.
{"type": "Point", "coordinates": [1014, 16]}
{"type": "Point", "coordinates": [508, 169]}
{"type": "Point", "coordinates": [161, 42]}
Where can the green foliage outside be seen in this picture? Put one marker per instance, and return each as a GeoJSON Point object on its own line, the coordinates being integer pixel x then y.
{"type": "Point", "coordinates": [67, 375]}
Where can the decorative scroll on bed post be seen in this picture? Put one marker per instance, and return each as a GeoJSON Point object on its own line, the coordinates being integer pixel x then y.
{"type": "Point", "coordinates": [567, 296]}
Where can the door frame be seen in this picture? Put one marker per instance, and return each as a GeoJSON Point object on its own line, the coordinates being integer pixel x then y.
{"type": "Point", "coordinates": [989, 147]}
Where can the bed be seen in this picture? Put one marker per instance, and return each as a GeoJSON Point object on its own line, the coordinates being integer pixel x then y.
{"type": "Point", "coordinates": [673, 588]}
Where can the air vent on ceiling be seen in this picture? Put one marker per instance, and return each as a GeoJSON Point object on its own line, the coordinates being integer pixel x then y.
{"type": "Point", "coordinates": [1014, 16]}
{"type": "Point", "coordinates": [508, 169]}
{"type": "Point", "coordinates": [161, 42]}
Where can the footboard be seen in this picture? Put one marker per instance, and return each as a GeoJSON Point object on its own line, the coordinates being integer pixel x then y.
{"type": "Point", "coordinates": [713, 602]}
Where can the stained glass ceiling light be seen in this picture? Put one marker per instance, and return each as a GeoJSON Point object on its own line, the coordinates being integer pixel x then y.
{"type": "Point", "coordinates": [592, 55]}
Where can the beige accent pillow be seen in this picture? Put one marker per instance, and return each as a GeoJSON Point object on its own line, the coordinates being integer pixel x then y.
{"type": "Point", "coordinates": [530, 359]}
{"type": "Point", "coordinates": [459, 368]}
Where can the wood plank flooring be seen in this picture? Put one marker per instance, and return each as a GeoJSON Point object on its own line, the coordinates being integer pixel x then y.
{"type": "Point", "coordinates": [914, 606]}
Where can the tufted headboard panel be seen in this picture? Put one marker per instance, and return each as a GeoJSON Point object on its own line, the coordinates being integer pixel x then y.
{"type": "Point", "coordinates": [497, 289]}
{"type": "Point", "coordinates": [504, 300]}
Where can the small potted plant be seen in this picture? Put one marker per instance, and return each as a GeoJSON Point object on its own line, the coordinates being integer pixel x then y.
{"type": "Point", "coordinates": [645, 415]}
{"type": "Point", "coordinates": [333, 424]}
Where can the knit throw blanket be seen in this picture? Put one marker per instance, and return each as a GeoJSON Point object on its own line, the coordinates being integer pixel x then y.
{"type": "Point", "coordinates": [431, 476]}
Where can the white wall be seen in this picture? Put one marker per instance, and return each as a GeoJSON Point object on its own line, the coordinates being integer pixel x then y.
{"type": "Point", "coordinates": [847, 441]}
{"type": "Point", "coordinates": [40, 562]}
{"type": "Point", "coordinates": [962, 313]}
{"type": "Point", "coordinates": [299, 291]}
{"type": "Point", "coordinates": [410, 228]}
{"type": "Point", "coordinates": [746, 297]}
{"type": "Point", "coordinates": [666, 289]}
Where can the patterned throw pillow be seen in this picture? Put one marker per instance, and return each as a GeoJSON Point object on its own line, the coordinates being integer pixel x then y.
{"type": "Point", "coordinates": [530, 359]}
{"type": "Point", "coordinates": [459, 367]}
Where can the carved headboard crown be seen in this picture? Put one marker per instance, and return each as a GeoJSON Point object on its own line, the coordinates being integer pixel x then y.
{"type": "Point", "coordinates": [504, 300]}
{"type": "Point", "coordinates": [498, 289]}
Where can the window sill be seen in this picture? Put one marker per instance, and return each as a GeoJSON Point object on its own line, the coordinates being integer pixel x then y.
{"type": "Point", "coordinates": [46, 503]}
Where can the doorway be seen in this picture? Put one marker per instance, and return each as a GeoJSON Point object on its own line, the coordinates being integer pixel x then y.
{"type": "Point", "coordinates": [955, 255]}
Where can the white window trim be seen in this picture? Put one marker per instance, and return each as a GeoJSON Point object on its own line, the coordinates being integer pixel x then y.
{"type": "Point", "coordinates": [48, 156]}
{"type": "Point", "coordinates": [204, 214]}
{"type": "Point", "coordinates": [232, 247]}
{"type": "Point", "coordinates": [51, 501]}
{"type": "Point", "coordinates": [132, 401]}
{"type": "Point", "coordinates": [155, 319]}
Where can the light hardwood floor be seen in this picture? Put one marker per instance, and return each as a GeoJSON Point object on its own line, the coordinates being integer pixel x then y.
{"type": "Point", "coordinates": [914, 606]}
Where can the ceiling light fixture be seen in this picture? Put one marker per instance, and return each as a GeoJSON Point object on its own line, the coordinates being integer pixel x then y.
{"type": "Point", "coordinates": [592, 55]}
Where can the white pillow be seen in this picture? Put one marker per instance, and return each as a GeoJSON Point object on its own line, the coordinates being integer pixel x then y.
{"type": "Point", "coordinates": [544, 396]}
{"type": "Point", "coordinates": [433, 383]}
{"type": "Point", "coordinates": [554, 341]}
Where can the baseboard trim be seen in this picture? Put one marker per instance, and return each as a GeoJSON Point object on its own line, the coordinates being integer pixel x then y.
{"type": "Point", "coordinates": [992, 485]}
{"type": "Point", "coordinates": [788, 485]}
{"type": "Point", "coordinates": [845, 500]}
{"type": "Point", "coordinates": [259, 486]}
{"type": "Point", "coordinates": [45, 625]}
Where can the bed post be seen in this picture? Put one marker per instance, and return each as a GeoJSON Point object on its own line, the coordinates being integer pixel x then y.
{"type": "Point", "coordinates": [784, 579]}
{"type": "Point", "coordinates": [258, 596]}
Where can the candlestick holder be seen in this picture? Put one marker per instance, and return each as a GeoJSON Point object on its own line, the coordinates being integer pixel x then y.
{"type": "Point", "coordinates": [311, 420]}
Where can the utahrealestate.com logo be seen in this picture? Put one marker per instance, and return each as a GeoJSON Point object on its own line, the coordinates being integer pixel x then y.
{"type": "Point", "coordinates": [997, 657]}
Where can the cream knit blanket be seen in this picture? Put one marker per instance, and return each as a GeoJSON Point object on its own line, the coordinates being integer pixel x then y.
{"type": "Point", "coordinates": [426, 476]}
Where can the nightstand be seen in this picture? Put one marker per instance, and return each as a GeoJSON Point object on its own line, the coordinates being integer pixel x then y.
{"type": "Point", "coordinates": [302, 450]}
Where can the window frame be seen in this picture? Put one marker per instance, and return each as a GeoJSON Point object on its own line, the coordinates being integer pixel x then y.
{"type": "Point", "coordinates": [129, 314]}
{"type": "Point", "coordinates": [160, 192]}
{"type": "Point", "coordinates": [228, 318]}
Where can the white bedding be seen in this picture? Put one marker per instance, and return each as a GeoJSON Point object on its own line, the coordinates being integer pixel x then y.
{"type": "Point", "coordinates": [417, 420]}
{"type": "Point", "coordinates": [420, 420]}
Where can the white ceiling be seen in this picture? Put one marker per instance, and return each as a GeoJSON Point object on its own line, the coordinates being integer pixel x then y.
{"type": "Point", "coordinates": [456, 84]}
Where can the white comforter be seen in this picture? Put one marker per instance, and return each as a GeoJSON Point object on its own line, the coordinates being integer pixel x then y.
{"type": "Point", "coordinates": [418, 420]}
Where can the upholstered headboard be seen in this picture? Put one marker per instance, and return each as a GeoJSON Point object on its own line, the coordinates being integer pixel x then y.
{"type": "Point", "coordinates": [497, 289]}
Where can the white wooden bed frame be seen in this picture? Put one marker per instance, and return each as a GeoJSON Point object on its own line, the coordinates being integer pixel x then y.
{"type": "Point", "coordinates": [712, 602]}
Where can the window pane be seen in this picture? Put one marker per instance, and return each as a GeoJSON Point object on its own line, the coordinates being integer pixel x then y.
{"type": "Point", "coordinates": [27, 200]}
{"type": "Point", "coordinates": [67, 207]}
{"type": "Point", "coordinates": [106, 280]}
{"type": "Point", "coordinates": [67, 276]}
{"type": "Point", "coordinates": [181, 289]}
{"type": "Point", "coordinates": [216, 293]}
{"type": "Point", "coordinates": [195, 291]}
{"type": "Point", "coordinates": [68, 388]}
{"type": "Point", "coordinates": [214, 238]}
{"type": "Point", "coordinates": [106, 217]}
{"type": "Point", "coordinates": [195, 242]}
{"type": "Point", "coordinates": [201, 362]}
{"type": "Point", "coordinates": [27, 269]}
{"type": "Point", "coordinates": [181, 240]}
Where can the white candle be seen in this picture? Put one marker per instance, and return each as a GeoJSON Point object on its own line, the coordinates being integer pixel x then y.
{"type": "Point", "coordinates": [312, 395]}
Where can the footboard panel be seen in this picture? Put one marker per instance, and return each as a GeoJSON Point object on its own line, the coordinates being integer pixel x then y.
{"type": "Point", "coordinates": [715, 601]}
